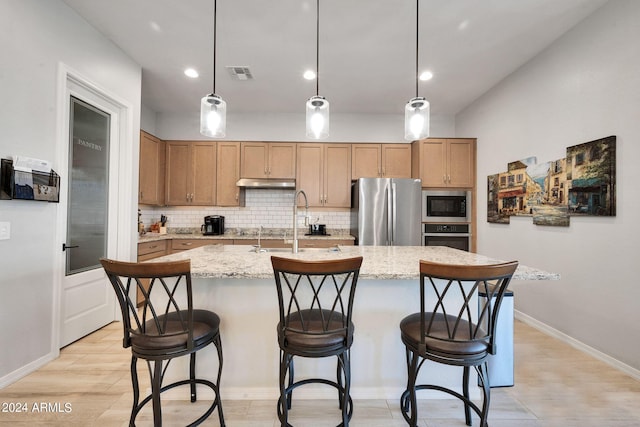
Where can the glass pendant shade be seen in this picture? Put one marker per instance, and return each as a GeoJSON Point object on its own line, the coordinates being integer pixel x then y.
{"type": "Point", "coordinates": [317, 118]}
{"type": "Point", "coordinates": [416, 119]}
{"type": "Point", "coordinates": [213, 116]}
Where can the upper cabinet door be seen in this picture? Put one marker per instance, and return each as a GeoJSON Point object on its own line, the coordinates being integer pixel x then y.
{"type": "Point", "coordinates": [446, 163]}
{"type": "Point", "coordinates": [177, 173]}
{"type": "Point", "coordinates": [191, 173]}
{"type": "Point", "coordinates": [203, 174]}
{"type": "Point", "coordinates": [380, 161]}
{"type": "Point", "coordinates": [254, 160]}
{"type": "Point", "coordinates": [433, 169]}
{"type": "Point", "coordinates": [337, 176]}
{"type": "Point", "coordinates": [310, 173]}
{"type": "Point", "coordinates": [268, 160]}
{"type": "Point", "coordinates": [227, 174]}
{"type": "Point", "coordinates": [282, 160]}
{"type": "Point", "coordinates": [151, 173]}
{"type": "Point", "coordinates": [365, 161]}
{"type": "Point", "coordinates": [396, 160]}
{"type": "Point", "coordinates": [461, 172]}
{"type": "Point", "coordinates": [324, 173]}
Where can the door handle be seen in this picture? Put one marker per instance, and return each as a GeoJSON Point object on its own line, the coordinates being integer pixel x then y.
{"type": "Point", "coordinates": [65, 247]}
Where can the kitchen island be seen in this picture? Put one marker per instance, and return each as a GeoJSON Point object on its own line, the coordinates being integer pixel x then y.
{"type": "Point", "coordinates": [237, 283]}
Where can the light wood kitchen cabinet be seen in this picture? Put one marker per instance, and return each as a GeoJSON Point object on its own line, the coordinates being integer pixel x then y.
{"type": "Point", "coordinates": [323, 243]}
{"type": "Point", "coordinates": [264, 243]}
{"type": "Point", "coordinates": [151, 172]}
{"type": "Point", "coordinates": [191, 173]}
{"type": "Point", "coordinates": [227, 174]}
{"type": "Point", "coordinates": [380, 161]}
{"type": "Point", "coordinates": [302, 243]}
{"type": "Point", "coordinates": [324, 173]}
{"type": "Point", "coordinates": [179, 245]}
{"type": "Point", "coordinates": [444, 163]}
{"type": "Point", "coordinates": [268, 160]}
{"type": "Point", "coordinates": [150, 250]}
{"type": "Point", "coordinates": [147, 251]}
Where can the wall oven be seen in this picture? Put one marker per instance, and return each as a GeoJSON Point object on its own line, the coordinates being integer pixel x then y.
{"type": "Point", "coordinates": [443, 206]}
{"type": "Point", "coordinates": [452, 235]}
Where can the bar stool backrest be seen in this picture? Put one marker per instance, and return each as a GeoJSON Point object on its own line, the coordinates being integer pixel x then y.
{"type": "Point", "coordinates": [316, 297]}
{"type": "Point", "coordinates": [166, 288]}
{"type": "Point", "coordinates": [453, 315]}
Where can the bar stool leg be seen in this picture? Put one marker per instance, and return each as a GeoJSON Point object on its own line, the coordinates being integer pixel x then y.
{"type": "Point", "coordinates": [156, 385]}
{"type": "Point", "coordinates": [136, 389]}
{"type": "Point", "coordinates": [465, 391]}
{"type": "Point", "coordinates": [486, 388]}
{"type": "Point", "coordinates": [192, 376]}
{"type": "Point", "coordinates": [218, 343]}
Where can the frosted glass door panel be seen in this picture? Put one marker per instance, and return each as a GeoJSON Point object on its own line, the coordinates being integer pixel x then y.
{"type": "Point", "coordinates": [88, 187]}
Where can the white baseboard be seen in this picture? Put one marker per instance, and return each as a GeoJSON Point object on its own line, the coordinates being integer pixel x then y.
{"type": "Point", "coordinates": [25, 370]}
{"type": "Point", "coordinates": [542, 327]}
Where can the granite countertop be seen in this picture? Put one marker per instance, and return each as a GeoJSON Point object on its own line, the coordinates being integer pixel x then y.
{"type": "Point", "coordinates": [379, 262]}
{"type": "Point", "coordinates": [251, 234]}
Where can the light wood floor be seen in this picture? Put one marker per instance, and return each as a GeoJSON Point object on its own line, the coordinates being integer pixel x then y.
{"type": "Point", "coordinates": [556, 386]}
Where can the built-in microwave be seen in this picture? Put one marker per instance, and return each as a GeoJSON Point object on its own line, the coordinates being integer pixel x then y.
{"type": "Point", "coordinates": [446, 206]}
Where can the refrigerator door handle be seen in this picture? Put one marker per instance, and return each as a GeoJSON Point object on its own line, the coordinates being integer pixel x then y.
{"type": "Point", "coordinates": [389, 213]}
{"type": "Point", "coordinates": [393, 214]}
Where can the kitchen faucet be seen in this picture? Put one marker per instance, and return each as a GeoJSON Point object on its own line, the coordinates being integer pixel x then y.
{"type": "Point", "coordinates": [259, 246]}
{"type": "Point", "coordinates": [294, 248]}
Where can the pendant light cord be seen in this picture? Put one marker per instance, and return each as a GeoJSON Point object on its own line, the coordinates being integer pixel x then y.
{"type": "Point", "coordinates": [317, 46]}
{"type": "Point", "coordinates": [215, 30]}
{"type": "Point", "coordinates": [417, 41]}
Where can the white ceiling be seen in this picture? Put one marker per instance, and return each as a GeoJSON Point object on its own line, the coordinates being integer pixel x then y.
{"type": "Point", "coordinates": [367, 49]}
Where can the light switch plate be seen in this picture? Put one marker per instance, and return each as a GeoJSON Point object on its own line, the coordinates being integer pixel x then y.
{"type": "Point", "coordinates": [5, 230]}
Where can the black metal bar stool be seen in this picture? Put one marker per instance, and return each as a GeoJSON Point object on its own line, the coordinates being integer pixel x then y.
{"type": "Point", "coordinates": [447, 331]}
{"type": "Point", "coordinates": [166, 326]}
{"type": "Point", "coordinates": [315, 300]}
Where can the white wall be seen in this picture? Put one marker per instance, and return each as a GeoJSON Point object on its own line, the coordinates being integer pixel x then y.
{"type": "Point", "coordinates": [36, 37]}
{"type": "Point", "coordinates": [291, 127]}
{"type": "Point", "coordinates": [584, 87]}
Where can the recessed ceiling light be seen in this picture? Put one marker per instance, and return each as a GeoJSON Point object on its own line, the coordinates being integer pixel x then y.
{"type": "Point", "coordinates": [426, 75]}
{"type": "Point", "coordinates": [190, 72]}
{"type": "Point", "coordinates": [309, 75]}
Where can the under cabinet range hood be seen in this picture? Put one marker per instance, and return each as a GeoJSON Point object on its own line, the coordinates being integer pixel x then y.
{"type": "Point", "coordinates": [285, 184]}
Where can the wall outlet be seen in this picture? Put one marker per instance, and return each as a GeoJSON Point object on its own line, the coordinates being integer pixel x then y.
{"type": "Point", "coordinates": [5, 230]}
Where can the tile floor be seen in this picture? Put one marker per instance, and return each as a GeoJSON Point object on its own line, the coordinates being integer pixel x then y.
{"type": "Point", "coordinates": [556, 386]}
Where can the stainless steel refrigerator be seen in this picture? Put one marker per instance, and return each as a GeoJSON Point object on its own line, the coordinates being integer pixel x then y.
{"type": "Point", "coordinates": [386, 212]}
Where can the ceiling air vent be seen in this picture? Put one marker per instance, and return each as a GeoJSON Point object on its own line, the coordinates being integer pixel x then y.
{"type": "Point", "coordinates": [240, 73]}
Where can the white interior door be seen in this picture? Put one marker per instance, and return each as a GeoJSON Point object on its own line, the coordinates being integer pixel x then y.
{"type": "Point", "coordinates": [87, 300]}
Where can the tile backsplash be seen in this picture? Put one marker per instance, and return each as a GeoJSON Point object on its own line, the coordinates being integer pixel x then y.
{"type": "Point", "coordinates": [263, 207]}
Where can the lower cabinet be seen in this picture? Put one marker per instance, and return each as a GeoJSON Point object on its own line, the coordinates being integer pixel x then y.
{"type": "Point", "coordinates": [323, 243]}
{"type": "Point", "coordinates": [147, 251]}
{"type": "Point", "coordinates": [302, 243]}
{"type": "Point", "coordinates": [179, 245]}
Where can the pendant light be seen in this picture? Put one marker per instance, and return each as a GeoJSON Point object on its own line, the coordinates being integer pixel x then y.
{"type": "Point", "coordinates": [317, 106]}
{"type": "Point", "coordinates": [213, 109]}
{"type": "Point", "coordinates": [416, 112]}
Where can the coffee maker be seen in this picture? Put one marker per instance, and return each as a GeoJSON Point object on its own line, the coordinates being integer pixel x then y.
{"type": "Point", "coordinates": [213, 225]}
